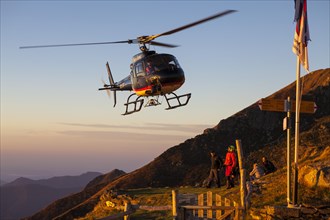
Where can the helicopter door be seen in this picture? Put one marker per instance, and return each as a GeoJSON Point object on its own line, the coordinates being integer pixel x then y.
{"type": "Point", "coordinates": [139, 70]}
{"type": "Point", "coordinates": [138, 76]}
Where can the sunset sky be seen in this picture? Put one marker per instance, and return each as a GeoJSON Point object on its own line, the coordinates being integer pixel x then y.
{"type": "Point", "coordinates": [54, 121]}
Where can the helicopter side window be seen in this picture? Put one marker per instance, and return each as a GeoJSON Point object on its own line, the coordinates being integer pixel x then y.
{"type": "Point", "coordinates": [172, 63]}
{"type": "Point", "coordinates": [151, 68]}
{"type": "Point", "coordinates": [139, 71]}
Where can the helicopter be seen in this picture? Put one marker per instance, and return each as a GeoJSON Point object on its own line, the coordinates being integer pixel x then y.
{"type": "Point", "coordinates": [151, 74]}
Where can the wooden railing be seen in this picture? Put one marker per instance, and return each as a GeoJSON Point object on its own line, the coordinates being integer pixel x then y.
{"type": "Point", "coordinates": [211, 207]}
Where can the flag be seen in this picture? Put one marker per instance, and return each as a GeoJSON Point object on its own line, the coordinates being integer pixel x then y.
{"type": "Point", "coordinates": [301, 35]}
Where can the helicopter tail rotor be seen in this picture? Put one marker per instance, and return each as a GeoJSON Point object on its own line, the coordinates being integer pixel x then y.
{"type": "Point", "coordinates": [110, 87]}
{"type": "Point", "coordinates": [112, 83]}
{"type": "Point", "coordinates": [105, 85]}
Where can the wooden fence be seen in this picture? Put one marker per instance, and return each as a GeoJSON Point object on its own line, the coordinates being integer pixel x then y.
{"type": "Point", "coordinates": [209, 206]}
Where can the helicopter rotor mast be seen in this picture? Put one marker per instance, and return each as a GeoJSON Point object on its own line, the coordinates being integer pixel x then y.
{"type": "Point", "coordinates": [142, 40]}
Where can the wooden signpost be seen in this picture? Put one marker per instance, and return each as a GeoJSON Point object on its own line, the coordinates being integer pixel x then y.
{"type": "Point", "coordinates": [278, 105]}
{"type": "Point", "coordinates": [281, 105]}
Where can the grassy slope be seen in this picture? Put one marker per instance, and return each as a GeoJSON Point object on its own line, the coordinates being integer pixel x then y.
{"type": "Point", "coordinates": [272, 192]}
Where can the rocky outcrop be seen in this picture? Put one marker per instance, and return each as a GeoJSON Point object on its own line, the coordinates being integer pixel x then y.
{"type": "Point", "coordinates": [315, 176]}
{"type": "Point", "coordinates": [295, 213]}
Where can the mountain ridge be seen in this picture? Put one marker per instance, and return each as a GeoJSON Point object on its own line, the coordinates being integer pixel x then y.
{"type": "Point", "coordinates": [2, 182]}
{"type": "Point", "coordinates": [188, 163]}
{"type": "Point", "coordinates": [24, 196]}
{"type": "Point", "coordinates": [76, 199]}
{"type": "Point", "coordinates": [67, 181]}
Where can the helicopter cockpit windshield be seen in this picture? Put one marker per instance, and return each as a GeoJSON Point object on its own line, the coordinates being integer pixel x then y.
{"type": "Point", "coordinates": [161, 62]}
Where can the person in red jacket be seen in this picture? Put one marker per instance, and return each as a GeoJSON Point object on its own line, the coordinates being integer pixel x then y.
{"type": "Point", "coordinates": [230, 164]}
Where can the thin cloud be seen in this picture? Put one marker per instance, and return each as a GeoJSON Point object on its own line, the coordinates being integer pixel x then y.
{"type": "Point", "coordinates": [118, 138]}
{"type": "Point", "coordinates": [187, 128]}
{"type": "Point", "coordinates": [128, 136]}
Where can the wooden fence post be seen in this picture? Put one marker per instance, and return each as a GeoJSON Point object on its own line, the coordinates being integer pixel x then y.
{"type": "Point", "coordinates": [200, 203]}
{"type": "Point", "coordinates": [242, 172]}
{"type": "Point", "coordinates": [175, 204]}
{"type": "Point", "coordinates": [237, 214]}
{"type": "Point", "coordinates": [209, 202]}
{"type": "Point", "coordinates": [227, 203]}
{"type": "Point", "coordinates": [218, 202]}
{"type": "Point", "coordinates": [126, 209]}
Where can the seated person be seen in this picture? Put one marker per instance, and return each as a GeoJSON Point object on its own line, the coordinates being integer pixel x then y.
{"type": "Point", "coordinates": [268, 166]}
{"type": "Point", "coordinates": [149, 69]}
{"type": "Point", "coordinates": [257, 172]}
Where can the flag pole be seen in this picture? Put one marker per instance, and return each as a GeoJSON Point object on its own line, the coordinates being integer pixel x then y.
{"type": "Point", "coordinates": [301, 38]}
{"type": "Point", "coordinates": [296, 147]}
{"type": "Point", "coordinates": [289, 158]}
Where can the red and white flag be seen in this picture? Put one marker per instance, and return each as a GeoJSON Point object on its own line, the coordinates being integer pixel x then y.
{"type": "Point", "coordinates": [301, 35]}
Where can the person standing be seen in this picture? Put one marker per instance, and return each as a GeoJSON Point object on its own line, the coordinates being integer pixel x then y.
{"type": "Point", "coordinates": [230, 164]}
{"type": "Point", "coordinates": [216, 164]}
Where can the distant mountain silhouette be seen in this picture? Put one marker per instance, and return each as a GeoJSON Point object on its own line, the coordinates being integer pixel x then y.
{"type": "Point", "coordinates": [58, 182]}
{"type": "Point", "coordinates": [24, 196]}
{"type": "Point", "coordinates": [62, 205]}
{"type": "Point", "coordinates": [188, 163]}
{"type": "Point", "coordinates": [2, 182]}
{"type": "Point", "coordinates": [103, 180]}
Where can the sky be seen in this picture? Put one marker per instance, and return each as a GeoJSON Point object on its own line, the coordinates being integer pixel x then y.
{"type": "Point", "coordinates": [55, 122]}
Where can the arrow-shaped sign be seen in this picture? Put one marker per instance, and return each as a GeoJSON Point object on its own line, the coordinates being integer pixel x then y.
{"type": "Point", "coordinates": [278, 105]}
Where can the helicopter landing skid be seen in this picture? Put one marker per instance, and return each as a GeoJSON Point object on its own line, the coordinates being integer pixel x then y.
{"type": "Point", "coordinates": [176, 97]}
{"type": "Point", "coordinates": [136, 105]}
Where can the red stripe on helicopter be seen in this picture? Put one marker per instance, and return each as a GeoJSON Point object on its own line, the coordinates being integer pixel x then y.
{"type": "Point", "coordinates": [141, 91]}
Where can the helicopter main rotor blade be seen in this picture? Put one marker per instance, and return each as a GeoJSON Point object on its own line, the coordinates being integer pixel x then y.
{"type": "Point", "coordinates": [162, 44]}
{"type": "Point", "coordinates": [193, 24]}
{"type": "Point", "coordinates": [80, 44]}
{"type": "Point", "coordinates": [142, 39]}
